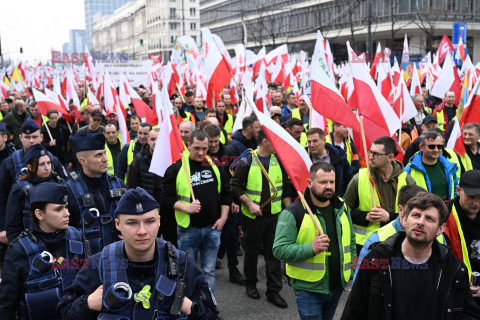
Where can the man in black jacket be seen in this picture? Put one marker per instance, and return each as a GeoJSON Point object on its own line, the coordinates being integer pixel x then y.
{"type": "Point", "coordinates": [412, 276]}
{"type": "Point", "coordinates": [244, 138]}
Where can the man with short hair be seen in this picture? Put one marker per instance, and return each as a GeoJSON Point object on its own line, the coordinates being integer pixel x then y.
{"type": "Point", "coordinates": [189, 104]}
{"type": "Point", "coordinates": [471, 158]}
{"type": "Point", "coordinates": [339, 137]}
{"type": "Point", "coordinates": [302, 112]}
{"type": "Point", "coordinates": [384, 180]}
{"type": "Point", "coordinates": [134, 125]}
{"type": "Point", "coordinates": [95, 120]}
{"type": "Point", "coordinates": [295, 128]}
{"type": "Point", "coordinates": [143, 266]}
{"type": "Point", "coordinates": [5, 149]}
{"type": "Point", "coordinates": [291, 104]}
{"type": "Point", "coordinates": [186, 128]}
{"type": "Point", "coordinates": [422, 111]}
{"type": "Point", "coordinates": [244, 138]}
{"type": "Point", "coordinates": [431, 169]}
{"type": "Point", "coordinates": [14, 121]}
{"type": "Point", "coordinates": [93, 193]}
{"type": "Point", "coordinates": [200, 216]}
{"type": "Point", "coordinates": [35, 113]}
{"type": "Point", "coordinates": [113, 146]}
{"type": "Point", "coordinates": [58, 144]}
{"type": "Point", "coordinates": [198, 110]}
{"type": "Point", "coordinates": [252, 189]}
{"type": "Point", "coordinates": [277, 99]}
{"type": "Point", "coordinates": [230, 108]}
{"type": "Point", "coordinates": [412, 276]}
{"type": "Point", "coordinates": [130, 149]}
{"type": "Point", "coordinates": [463, 225]}
{"type": "Point", "coordinates": [445, 111]}
{"type": "Point", "coordinates": [428, 123]}
{"type": "Point", "coordinates": [224, 118]}
{"type": "Point", "coordinates": [320, 151]}
{"type": "Point", "coordinates": [318, 281]}
{"type": "Point", "coordinates": [84, 117]}
{"type": "Point", "coordinates": [183, 113]}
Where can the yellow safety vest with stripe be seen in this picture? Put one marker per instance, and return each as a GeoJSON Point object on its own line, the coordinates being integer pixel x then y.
{"type": "Point", "coordinates": [466, 162]}
{"type": "Point", "coordinates": [419, 178]}
{"type": "Point", "coordinates": [183, 189]}
{"type": "Point", "coordinates": [463, 244]}
{"type": "Point", "coordinates": [130, 152]}
{"type": "Point", "coordinates": [111, 166]}
{"type": "Point", "coordinates": [441, 120]}
{"type": "Point", "coordinates": [228, 125]}
{"type": "Point", "coordinates": [348, 147]}
{"type": "Point", "coordinates": [253, 189]}
{"type": "Point", "coordinates": [313, 269]}
{"type": "Point", "coordinates": [366, 203]}
{"type": "Point", "coordinates": [303, 137]}
{"type": "Point", "coordinates": [84, 103]}
{"type": "Point", "coordinates": [388, 230]}
{"type": "Point", "coordinates": [454, 158]}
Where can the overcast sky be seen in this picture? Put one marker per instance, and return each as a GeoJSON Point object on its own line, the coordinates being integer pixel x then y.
{"type": "Point", "coordinates": [38, 25]}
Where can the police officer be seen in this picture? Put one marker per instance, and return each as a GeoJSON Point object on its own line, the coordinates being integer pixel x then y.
{"type": "Point", "coordinates": [94, 193]}
{"type": "Point", "coordinates": [39, 170]}
{"type": "Point", "coordinates": [141, 276]}
{"type": "Point", "coordinates": [30, 134]}
{"type": "Point", "coordinates": [42, 261]}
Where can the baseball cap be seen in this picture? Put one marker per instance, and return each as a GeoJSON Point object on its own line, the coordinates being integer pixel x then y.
{"type": "Point", "coordinates": [96, 115]}
{"type": "Point", "coordinates": [429, 119]}
{"type": "Point", "coordinates": [470, 182]}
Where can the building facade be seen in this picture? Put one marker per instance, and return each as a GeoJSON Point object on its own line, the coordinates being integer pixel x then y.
{"type": "Point", "coordinates": [94, 10]}
{"type": "Point", "coordinates": [76, 43]}
{"type": "Point", "coordinates": [168, 19]}
{"type": "Point", "coordinates": [122, 32]}
{"type": "Point", "coordinates": [295, 22]}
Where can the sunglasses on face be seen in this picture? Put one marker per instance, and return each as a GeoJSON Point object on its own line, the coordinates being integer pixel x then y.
{"type": "Point", "coordinates": [433, 146]}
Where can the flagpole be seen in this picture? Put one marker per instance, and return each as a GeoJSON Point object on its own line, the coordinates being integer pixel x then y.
{"type": "Point", "coordinates": [310, 118]}
{"type": "Point", "coordinates": [180, 93]}
{"type": "Point", "coordinates": [401, 115]}
{"type": "Point", "coordinates": [69, 128]}
{"type": "Point", "coordinates": [213, 100]}
{"type": "Point", "coordinates": [188, 177]}
{"type": "Point", "coordinates": [46, 126]}
{"type": "Point", "coordinates": [364, 140]}
{"type": "Point", "coordinates": [310, 213]}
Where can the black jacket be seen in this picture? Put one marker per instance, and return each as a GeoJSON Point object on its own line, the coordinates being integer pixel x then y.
{"type": "Point", "coordinates": [239, 143]}
{"type": "Point", "coordinates": [139, 175]}
{"type": "Point", "coordinates": [372, 292]}
{"type": "Point", "coordinates": [343, 171]}
{"type": "Point", "coordinates": [122, 161]}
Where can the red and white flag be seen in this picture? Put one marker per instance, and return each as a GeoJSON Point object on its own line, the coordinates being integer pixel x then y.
{"type": "Point", "coordinates": [415, 87]}
{"type": "Point", "coordinates": [461, 50]}
{"type": "Point", "coordinates": [448, 80]}
{"type": "Point", "coordinates": [46, 103]}
{"type": "Point", "coordinates": [169, 146]}
{"type": "Point", "coordinates": [219, 71]}
{"type": "Point", "coordinates": [112, 103]}
{"type": "Point", "coordinates": [444, 48]}
{"type": "Point", "coordinates": [404, 101]}
{"type": "Point", "coordinates": [292, 155]}
{"type": "Point", "coordinates": [368, 100]}
{"type": "Point", "coordinates": [324, 95]}
{"type": "Point", "coordinates": [376, 61]}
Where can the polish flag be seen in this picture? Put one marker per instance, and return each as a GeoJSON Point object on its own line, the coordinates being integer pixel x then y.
{"type": "Point", "coordinates": [448, 81]}
{"type": "Point", "coordinates": [92, 100]}
{"type": "Point", "coordinates": [415, 87]}
{"type": "Point", "coordinates": [112, 104]}
{"type": "Point", "coordinates": [59, 100]}
{"type": "Point", "coordinates": [444, 48]}
{"type": "Point", "coordinates": [280, 53]}
{"type": "Point", "coordinates": [384, 82]}
{"type": "Point", "coordinates": [45, 103]}
{"type": "Point", "coordinates": [258, 62]}
{"type": "Point", "coordinates": [141, 108]}
{"type": "Point", "coordinates": [471, 113]}
{"type": "Point", "coordinates": [404, 100]}
{"type": "Point", "coordinates": [376, 61]}
{"type": "Point", "coordinates": [324, 95]}
{"type": "Point", "coordinates": [368, 100]}
{"type": "Point", "coordinates": [461, 50]}
{"type": "Point", "coordinates": [219, 71]}
{"type": "Point", "coordinates": [169, 146]}
{"type": "Point", "coordinates": [292, 155]}
{"type": "Point", "coordinates": [4, 89]}
{"type": "Point", "coordinates": [71, 93]}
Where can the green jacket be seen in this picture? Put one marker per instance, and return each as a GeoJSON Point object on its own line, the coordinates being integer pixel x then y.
{"type": "Point", "coordinates": [285, 247]}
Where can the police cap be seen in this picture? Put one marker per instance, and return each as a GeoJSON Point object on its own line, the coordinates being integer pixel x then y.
{"type": "Point", "coordinates": [136, 201]}
{"type": "Point", "coordinates": [35, 151]}
{"type": "Point", "coordinates": [49, 192]}
{"type": "Point", "coordinates": [29, 126]}
{"type": "Point", "coordinates": [88, 141]}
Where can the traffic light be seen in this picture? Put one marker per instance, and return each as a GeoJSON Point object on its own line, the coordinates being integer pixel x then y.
{"type": "Point", "coordinates": [141, 42]}
{"type": "Point", "coordinates": [21, 50]}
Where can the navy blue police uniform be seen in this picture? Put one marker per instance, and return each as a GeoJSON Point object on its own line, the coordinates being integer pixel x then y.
{"type": "Point", "coordinates": [14, 164]}
{"type": "Point", "coordinates": [7, 150]}
{"type": "Point", "coordinates": [122, 278]}
{"type": "Point", "coordinates": [17, 216]}
{"type": "Point", "coordinates": [39, 266]}
{"type": "Point", "coordinates": [94, 200]}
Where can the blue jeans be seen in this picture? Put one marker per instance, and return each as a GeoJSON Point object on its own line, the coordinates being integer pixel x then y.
{"type": "Point", "coordinates": [317, 306]}
{"type": "Point", "coordinates": [207, 241]}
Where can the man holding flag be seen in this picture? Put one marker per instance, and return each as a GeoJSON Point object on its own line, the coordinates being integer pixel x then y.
{"type": "Point", "coordinates": [253, 188]}
{"type": "Point", "coordinates": [318, 282]}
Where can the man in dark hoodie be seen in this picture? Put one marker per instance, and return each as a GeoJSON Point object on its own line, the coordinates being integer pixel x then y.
{"type": "Point", "coordinates": [244, 138]}
{"type": "Point", "coordinates": [410, 275]}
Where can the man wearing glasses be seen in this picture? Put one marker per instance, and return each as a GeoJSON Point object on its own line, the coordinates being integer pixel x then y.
{"type": "Point", "coordinates": [431, 169]}
{"type": "Point", "coordinates": [385, 179]}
